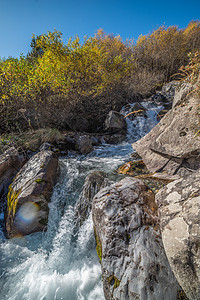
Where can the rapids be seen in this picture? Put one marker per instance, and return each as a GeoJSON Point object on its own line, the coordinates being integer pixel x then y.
{"type": "Point", "coordinates": [59, 263]}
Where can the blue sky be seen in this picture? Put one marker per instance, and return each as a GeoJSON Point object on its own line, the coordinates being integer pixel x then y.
{"type": "Point", "coordinates": [19, 19]}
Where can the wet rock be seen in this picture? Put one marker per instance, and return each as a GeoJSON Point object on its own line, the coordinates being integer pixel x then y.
{"type": "Point", "coordinates": [129, 245]}
{"type": "Point", "coordinates": [93, 183]}
{"type": "Point", "coordinates": [10, 163]}
{"type": "Point", "coordinates": [29, 194]}
{"type": "Point", "coordinates": [84, 145]}
{"type": "Point", "coordinates": [179, 207]}
{"type": "Point", "coordinates": [115, 123]}
{"type": "Point", "coordinates": [114, 139]}
{"type": "Point", "coordinates": [172, 146]}
{"type": "Point", "coordinates": [137, 110]}
{"type": "Point", "coordinates": [95, 141]}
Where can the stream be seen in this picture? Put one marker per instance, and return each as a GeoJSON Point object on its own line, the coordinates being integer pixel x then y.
{"type": "Point", "coordinates": [59, 264]}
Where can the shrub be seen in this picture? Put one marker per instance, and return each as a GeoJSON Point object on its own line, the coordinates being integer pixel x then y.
{"type": "Point", "coordinates": [74, 86]}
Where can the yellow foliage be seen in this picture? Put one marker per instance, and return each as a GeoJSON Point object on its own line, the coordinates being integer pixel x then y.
{"type": "Point", "coordinates": [96, 66]}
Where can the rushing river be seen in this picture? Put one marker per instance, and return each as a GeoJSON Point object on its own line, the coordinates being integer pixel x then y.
{"type": "Point", "coordinates": [59, 264]}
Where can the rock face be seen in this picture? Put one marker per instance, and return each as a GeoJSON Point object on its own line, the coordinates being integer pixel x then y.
{"type": "Point", "coordinates": [179, 206]}
{"type": "Point", "coordinates": [29, 194]}
{"type": "Point", "coordinates": [129, 245]}
{"type": "Point", "coordinates": [171, 146]}
{"type": "Point", "coordinates": [115, 123]}
{"type": "Point", "coordinates": [93, 183]}
{"type": "Point", "coordinates": [10, 163]}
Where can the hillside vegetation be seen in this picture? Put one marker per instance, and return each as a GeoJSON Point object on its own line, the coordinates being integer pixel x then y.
{"type": "Point", "coordinates": [74, 86]}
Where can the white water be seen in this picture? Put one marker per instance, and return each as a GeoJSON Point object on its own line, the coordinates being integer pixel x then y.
{"type": "Point", "coordinates": [59, 264]}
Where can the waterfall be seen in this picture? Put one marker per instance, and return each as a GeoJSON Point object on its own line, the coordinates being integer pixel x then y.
{"type": "Point", "coordinates": [61, 263]}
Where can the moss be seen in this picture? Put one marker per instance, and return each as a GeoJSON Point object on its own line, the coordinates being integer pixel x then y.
{"type": "Point", "coordinates": [12, 199]}
{"type": "Point", "coordinates": [113, 281]}
{"type": "Point", "coordinates": [40, 181]}
{"type": "Point", "coordinates": [98, 246]}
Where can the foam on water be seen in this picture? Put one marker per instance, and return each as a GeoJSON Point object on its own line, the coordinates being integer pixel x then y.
{"type": "Point", "coordinates": [62, 263]}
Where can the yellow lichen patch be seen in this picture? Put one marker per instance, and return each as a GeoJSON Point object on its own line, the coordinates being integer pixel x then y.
{"type": "Point", "coordinates": [133, 168]}
{"type": "Point", "coordinates": [12, 199]}
{"type": "Point", "coordinates": [98, 246]}
{"type": "Point", "coordinates": [125, 168]}
{"type": "Point", "coordinates": [113, 281]}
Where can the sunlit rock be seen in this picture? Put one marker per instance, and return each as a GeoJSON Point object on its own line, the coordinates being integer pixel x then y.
{"type": "Point", "coordinates": [173, 145]}
{"type": "Point", "coordinates": [179, 207]}
{"type": "Point", "coordinates": [29, 194]}
{"type": "Point", "coordinates": [129, 244]}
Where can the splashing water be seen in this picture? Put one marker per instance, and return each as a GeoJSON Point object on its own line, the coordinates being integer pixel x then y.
{"type": "Point", "coordinates": [59, 264]}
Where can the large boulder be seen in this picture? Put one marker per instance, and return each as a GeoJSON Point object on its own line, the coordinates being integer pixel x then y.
{"type": "Point", "coordinates": [172, 145]}
{"type": "Point", "coordinates": [129, 245]}
{"type": "Point", "coordinates": [115, 123]}
{"type": "Point", "coordinates": [93, 183]}
{"type": "Point", "coordinates": [10, 163]}
{"type": "Point", "coordinates": [29, 194]}
{"type": "Point", "coordinates": [179, 207]}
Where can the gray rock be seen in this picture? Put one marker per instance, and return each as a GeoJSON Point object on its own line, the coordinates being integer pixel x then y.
{"type": "Point", "coordinates": [171, 145]}
{"type": "Point", "coordinates": [179, 208]}
{"type": "Point", "coordinates": [115, 123]}
{"type": "Point", "coordinates": [93, 183]}
{"type": "Point", "coordinates": [29, 194]}
{"type": "Point", "coordinates": [182, 94]}
{"type": "Point", "coordinates": [129, 245]}
{"type": "Point", "coordinates": [84, 144]}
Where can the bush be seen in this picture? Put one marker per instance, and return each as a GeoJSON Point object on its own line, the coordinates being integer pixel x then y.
{"type": "Point", "coordinates": [74, 86]}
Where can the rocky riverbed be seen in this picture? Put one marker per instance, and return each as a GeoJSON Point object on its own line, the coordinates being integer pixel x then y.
{"type": "Point", "coordinates": [88, 226]}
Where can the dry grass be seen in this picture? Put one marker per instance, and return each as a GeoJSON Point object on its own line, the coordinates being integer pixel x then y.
{"type": "Point", "coordinates": [30, 140]}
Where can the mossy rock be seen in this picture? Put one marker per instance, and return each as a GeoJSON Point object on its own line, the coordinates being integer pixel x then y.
{"type": "Point", "coordinates": [12, 199]}
{"type": "Point", "coordinates": [98, 246]}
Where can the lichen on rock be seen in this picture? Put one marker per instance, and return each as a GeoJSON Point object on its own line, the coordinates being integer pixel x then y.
{"type": "Point", "coordinates": [29, 194]}
{"type": "Point", "coordinates": [133, 261]}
